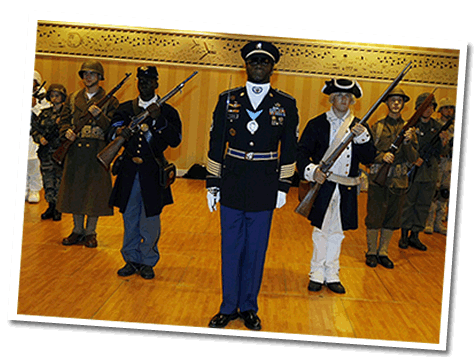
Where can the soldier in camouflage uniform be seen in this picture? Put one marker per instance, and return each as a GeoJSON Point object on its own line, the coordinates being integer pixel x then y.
{"type": "Point", "coordinates": [45, 132]}
{"type": "Point", "coordinates": [438, 207]}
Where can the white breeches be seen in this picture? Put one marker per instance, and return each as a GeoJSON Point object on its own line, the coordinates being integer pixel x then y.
{"type": "Point", "coordinates": [325, 263]}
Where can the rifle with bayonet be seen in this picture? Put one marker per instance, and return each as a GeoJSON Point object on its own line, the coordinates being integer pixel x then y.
{"type": "Point", "coordinates": [428, 149]}
{"type": "Point", "coordinates": [107, 155]}
{"type": "Point", "coordinates": [383, 171]}
{"type": "Point", "coordinates": [60, 153]}
{"type": "Point", "coordinates": [306, 204]}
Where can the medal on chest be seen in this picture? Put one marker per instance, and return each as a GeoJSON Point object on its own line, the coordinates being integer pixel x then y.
{"type": "Point", "coordinates": [252, 125]}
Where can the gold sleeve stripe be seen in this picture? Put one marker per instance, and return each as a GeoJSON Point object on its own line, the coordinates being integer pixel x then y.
{"type": "Point", "coordinates": [287, 171]}
{"type": "Point", "coordinates": [213, 167]}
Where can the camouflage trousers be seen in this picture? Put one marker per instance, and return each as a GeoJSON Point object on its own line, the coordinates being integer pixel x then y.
{"type": "Point", "coordinates": [51, 173]}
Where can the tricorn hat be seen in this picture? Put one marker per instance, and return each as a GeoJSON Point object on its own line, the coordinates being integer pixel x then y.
{"type": "Point", "coordinates": [342, 85]}
{"type": "Point", "coordinates": [260, 47]}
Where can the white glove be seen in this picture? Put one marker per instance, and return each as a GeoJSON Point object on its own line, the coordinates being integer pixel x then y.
{"type": "Point", "coordinates": [281, 199]}
{"type": "Point", "coordinates": [213, 198]}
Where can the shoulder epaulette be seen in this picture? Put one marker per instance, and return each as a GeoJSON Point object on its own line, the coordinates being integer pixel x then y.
{"type": "Point", "coordinates": [284, 94]}
{"type": "Point", "coordinates": [231, 90]}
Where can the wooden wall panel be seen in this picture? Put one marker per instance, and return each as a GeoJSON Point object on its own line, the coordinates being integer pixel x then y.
{"type": "Point", "coordinates": [199, 97]}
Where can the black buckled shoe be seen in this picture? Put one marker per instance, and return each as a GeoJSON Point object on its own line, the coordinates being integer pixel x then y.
{"type": "Point", "coordinates": [129, 269]}
{"type": "Point", "coordinates": [385, 262]}
{"type": "Point", "coordinates": [314, 286]}
{"type": "Point", "coordinates": [56, 215]}
{"type": "Point", "coordinates": [251, 320]}
{"type": "Point", "coordinates": [221, 320]}
{"type": "Point", "coordinates": [49, 211]}
{"type": "Point", "coordinates": [336, 287]}
{"type": "Point", "coordinates": [414, 242]}
{"type": "Point", "coordinates": [371, 260]}
{"type": "Point", "coordinates": [146, 272]}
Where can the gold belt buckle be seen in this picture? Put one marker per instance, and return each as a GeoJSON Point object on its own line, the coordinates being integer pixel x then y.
{"type": "Point", "coordinates": [137, 160]}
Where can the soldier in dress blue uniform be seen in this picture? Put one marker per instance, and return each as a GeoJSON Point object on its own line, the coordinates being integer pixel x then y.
{"type": "Point", "coordinates": [248, 177]}
{"type": "Point", "coordinates": [336, 208]}
{"type": "Point", "coordinates": [137, 192]}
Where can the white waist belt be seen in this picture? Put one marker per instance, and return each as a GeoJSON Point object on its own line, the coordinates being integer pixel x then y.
{"type": "Point", "coordinates": [344, 180]}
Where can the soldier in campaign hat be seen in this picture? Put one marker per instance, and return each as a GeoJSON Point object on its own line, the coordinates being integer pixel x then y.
{"type": "Point", "coordinates": [335, 208]}
{"type": "Point", "coordinates": [137, 192]}
{"type": "Point", "coordinates": [384, 206]}
{"type": "Point", "coordinates": [249, 178]}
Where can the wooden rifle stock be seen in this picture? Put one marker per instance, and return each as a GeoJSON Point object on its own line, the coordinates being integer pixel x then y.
{"type": "Point", "coordinates": [306, 204]}
{"type": "Point", "coordinates": [107, 155]}
{"type": "Point", "coordinates": [60, 153]}
{"type": "Point", "coordinates": [382, 174]}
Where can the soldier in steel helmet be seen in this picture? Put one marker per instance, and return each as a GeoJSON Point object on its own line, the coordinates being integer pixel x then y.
{"type": "Point", "coordinates": [438, 207]}
{"type": "Point", "coordinates": [384, 206]}
{"type": "Point", "coordinates": [45, 132]}
{"type": "Point", "coordinates": [422, 188]}
{"type": "Point", "coordinates": [86, 185]}
{"type": "Point", "coordinates": [249, 178]}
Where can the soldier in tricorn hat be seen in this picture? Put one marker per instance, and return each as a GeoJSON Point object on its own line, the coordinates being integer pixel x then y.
{"type": "Point", "coordinates": [252, 180]}
{"type": "Point", "coordinates": [335, 208]}
{"type": "Point", "coordinates": [384, 206]}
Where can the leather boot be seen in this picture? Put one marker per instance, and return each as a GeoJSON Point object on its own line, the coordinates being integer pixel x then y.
{"type": "Point", "coordinates": [415, 242]}
{"type": "Point", "coordinates": [404, 241]}
{"type": "Point", "coordinates": [56, 215]}
{"type": "Point", "coordinates": [49, 211]}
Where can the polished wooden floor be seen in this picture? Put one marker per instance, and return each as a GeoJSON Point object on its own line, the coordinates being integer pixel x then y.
{"type": "Point", "coordinates": [403, 304]}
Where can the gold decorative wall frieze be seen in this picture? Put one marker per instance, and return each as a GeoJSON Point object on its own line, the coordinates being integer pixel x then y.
{"type": "Point", "coordinates": [307, 57]}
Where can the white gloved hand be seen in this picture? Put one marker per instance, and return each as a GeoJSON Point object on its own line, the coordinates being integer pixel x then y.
{"type": "Point", "coordinates": [281, 199]}
{"type": "Point", "coordinates": [213, 197]}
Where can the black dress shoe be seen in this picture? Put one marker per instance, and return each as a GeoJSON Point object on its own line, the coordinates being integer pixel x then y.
{"type": "Point", "coordinates": [251, 320]}
{"type": "Point", "coordinates": [146, 272]}
{"type": "Point", "coordinates": [314, 286]}
{"type": "Point", "coordinates": [336, 288]}
{"type": "Point", "coordinates": [49, 212]}
{"type": "Point", "coordinates": [221, 320]}
{"type": "Point", "coordinates": [385, 262]}
{"type": "Point", "coordinates": [56, 215]}
{"type": "Point", "coordinates": [371, 260]}
{"type": "Point", "coordinates": [129, 269]}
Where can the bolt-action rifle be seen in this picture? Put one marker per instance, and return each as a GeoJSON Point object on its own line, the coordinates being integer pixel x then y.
{"type": "Point", "coordinates": [107, 155]}
{"type": "Point", "coordinates": [429, 149]}
{"type": "Point", "coordinates": [60, 153]}
{"type": "Point", "coordinates": [306, 204]}
{"type": "Point", "coordinates": [383, 171]}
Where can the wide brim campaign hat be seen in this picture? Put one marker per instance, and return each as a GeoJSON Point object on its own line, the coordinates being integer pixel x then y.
{"type": "Point", "coordinates": [398, 92]}
{"type": "Point", "coordinates": [260, 47]}
{"type": "Point", "coordinates": [147, 72]}
{"type": "Point", "coordinates": [342, 85]}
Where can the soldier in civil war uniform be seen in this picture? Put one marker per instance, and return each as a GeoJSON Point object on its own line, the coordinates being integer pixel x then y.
{"type": "Point", "coordinates": [137, 190]}
{"type": "Point", "coordinates": [248, 178]}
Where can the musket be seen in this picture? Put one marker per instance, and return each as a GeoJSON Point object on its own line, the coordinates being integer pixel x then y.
{"type": "Point", "coordinates": [428, 149]}
{"type": "Point", "coordinates": [383, 171]}
{"type": "Point", "coordinates": [60, 153]}
{"type": "Point", "coordinates": [107, 155]}
{"type": "Point", "coordinates": [306, 204]}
